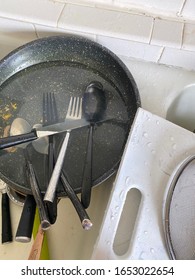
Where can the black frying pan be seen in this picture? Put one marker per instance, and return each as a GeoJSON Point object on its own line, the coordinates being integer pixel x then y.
{"type": "Point", "coordinates": [65, 65]}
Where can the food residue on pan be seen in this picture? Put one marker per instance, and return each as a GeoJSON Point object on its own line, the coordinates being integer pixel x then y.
{"type": "Point", "coordinates": [8, 110]}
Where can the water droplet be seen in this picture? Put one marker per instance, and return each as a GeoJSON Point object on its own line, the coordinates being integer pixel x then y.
{"type": "Point", "coordinates": [157, 122]}
{"type": "Point", "coordinates": [145, 232]}
{"type": "Point", "coordinates": [152, 250]}
{"type": "Point", "coordinates": [145, 163]}
{"type": "Point", "coordinates": [116, 208]}
{"type": "Point", "coordinates": [149, 144]}
{"type": "Point", "coordinates": [128, 181]}
{"type": "Point", "coordinates": [108, 243]}
{"type": "Point", "coordinates": [148, 118]}
{"type": "Point", "coordinates": [174, 146]}
{"type": "Point", "coordinates": [153, 152]}
{"type": "Point", "coordinates": [112, 217]}
{"type": "Point", "coordinates": [172, 138]}
{"type": "Point", "coordinates": [121, 195]}
{"type": "Point", "coordinates": [145, 134]}
{"type": "Point", "coordinates": [142, 256]}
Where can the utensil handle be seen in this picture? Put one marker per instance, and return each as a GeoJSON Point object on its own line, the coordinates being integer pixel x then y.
{"type": "Point", "coordinates": [51, 189]}
{"type": "Point", "coordinates": [14, 140]}
{"type": "Point", "coordinates": [87, 174]}
{"type": "Point", "coordinates": [84, 218]}
{"type": "Point", "coordinates": [6, 219]}
{"type": "Point", "coordinates": [51, 206]}
{"type": "Point", "coordinates": [45, 223]}
{"type": "Point", "coordinates": [37, 245]}
{"type": "Point", "coordinates": [25, 227]}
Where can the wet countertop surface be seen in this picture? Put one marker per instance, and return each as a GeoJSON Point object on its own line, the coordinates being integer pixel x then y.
{"type": "Point", "coordinates": [158, 85]}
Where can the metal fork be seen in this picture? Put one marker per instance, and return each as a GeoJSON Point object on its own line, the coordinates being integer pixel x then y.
{"type": "Point", "coordinates": [74, 112]}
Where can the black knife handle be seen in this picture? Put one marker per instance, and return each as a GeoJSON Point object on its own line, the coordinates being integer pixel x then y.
{"type": "Point", "coordinates": [6, 219]}
{"type": "Point", "coordinates": [10, 141]}
{"type": "Point", "coordinates": [87, 174]}
{"type": "Point", "coordinates": [25, 227]}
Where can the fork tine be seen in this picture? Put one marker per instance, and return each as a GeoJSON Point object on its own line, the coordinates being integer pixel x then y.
{"type": "Point", "coordinates": [70, 107]}
{"type": "Point", "coordinates": [74, 108]}
{"type": "Point", "coordinates": [44, 108]}
{"type": "Point", "coordinates": [53, 108]}
{"type": "Point", "coordinates": [80, 108]}
{"type": "Point", "coordinates": [49, 109]}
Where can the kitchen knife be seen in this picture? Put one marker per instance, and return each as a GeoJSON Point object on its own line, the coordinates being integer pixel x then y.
{"type": "Point", "coordinates": [68, 125]}
{"type": "Point", "coordinates": [25, 227]}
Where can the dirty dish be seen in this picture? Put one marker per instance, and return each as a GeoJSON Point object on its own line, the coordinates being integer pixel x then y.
{"type": "Point", "coordinates": [65, 65]}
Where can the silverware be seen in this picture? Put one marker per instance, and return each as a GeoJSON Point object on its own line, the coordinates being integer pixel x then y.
{"type": "Point", "coordinates": [50, 116]}
{"type": "Point", "coordinates": [45, 223]}
{"type": "Point", "coordinates": [39, 132]}
{"type": "Point", "coordinates": [84, 218]}
{"type": "Point", "coordinates": [74, 113]}
{"type": "Point", "coordinates": [94, 106]}
{"type": "Point", "coordinates": [36, 248]}
{"type": "Point", "coordinates": [25, 226]}
{"type": "Point", "coordinates": [6, 218]}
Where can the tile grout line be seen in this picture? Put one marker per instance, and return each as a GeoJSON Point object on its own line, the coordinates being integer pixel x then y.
{"type": "Point", "coordinates": [182, 7]}
{"type": "Point", "coordinates": [152, 30]}
{"type": "Point", "coordinates": [57, 23]}
{"type": "Point", "coordinates": [182, 36]}
{"type": "Point", "coordinates": [160, 55]}
{"type": "Point", "coordinates": [35, 29]}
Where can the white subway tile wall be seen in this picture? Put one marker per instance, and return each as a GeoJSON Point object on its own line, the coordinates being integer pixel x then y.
{"type": "Point", "coordinates": [167, 33]}
{"type": "Point", "coordinates": [189, 37]}
{"type": "Point", "coordinates": [40, 11]}
{"type": "Point", "coordinates": [166, 7]}
{"type": "Point", "coordinates": [188, 11]}
{"type": "Point", "coordinates": [13, 34]}
{"type": "Point", "coordinates": [179, 58]}
{"type": "Point", "coordinates": [133, 49]}
{"type": "Point", "coordinates": [106, 22]}
{"type": "Point", "coordinates": [152, 30]}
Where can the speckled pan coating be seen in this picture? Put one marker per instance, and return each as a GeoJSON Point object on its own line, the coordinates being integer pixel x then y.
{"type": "Point", "coordinates": [66, 65]}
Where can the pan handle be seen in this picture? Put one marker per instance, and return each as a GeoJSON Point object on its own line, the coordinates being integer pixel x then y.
{"type": "Point", "coordinates": [10, 141]}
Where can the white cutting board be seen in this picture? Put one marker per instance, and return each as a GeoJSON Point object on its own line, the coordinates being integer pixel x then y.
{"type": "Point", "coordinates": [134, 229]}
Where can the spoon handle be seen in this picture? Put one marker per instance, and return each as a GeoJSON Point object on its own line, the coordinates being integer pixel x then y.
{"type": "Point", "coordinates": [14, 140]}
{"type": "Point", "coordinates": [87, 174]}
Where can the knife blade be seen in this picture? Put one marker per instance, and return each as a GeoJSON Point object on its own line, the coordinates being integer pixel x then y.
{"type": "Point", "coordinates": [39, 132]}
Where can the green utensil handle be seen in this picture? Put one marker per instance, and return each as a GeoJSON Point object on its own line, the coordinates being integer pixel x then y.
{"type": "Point", "coordinates": [6, 219]}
